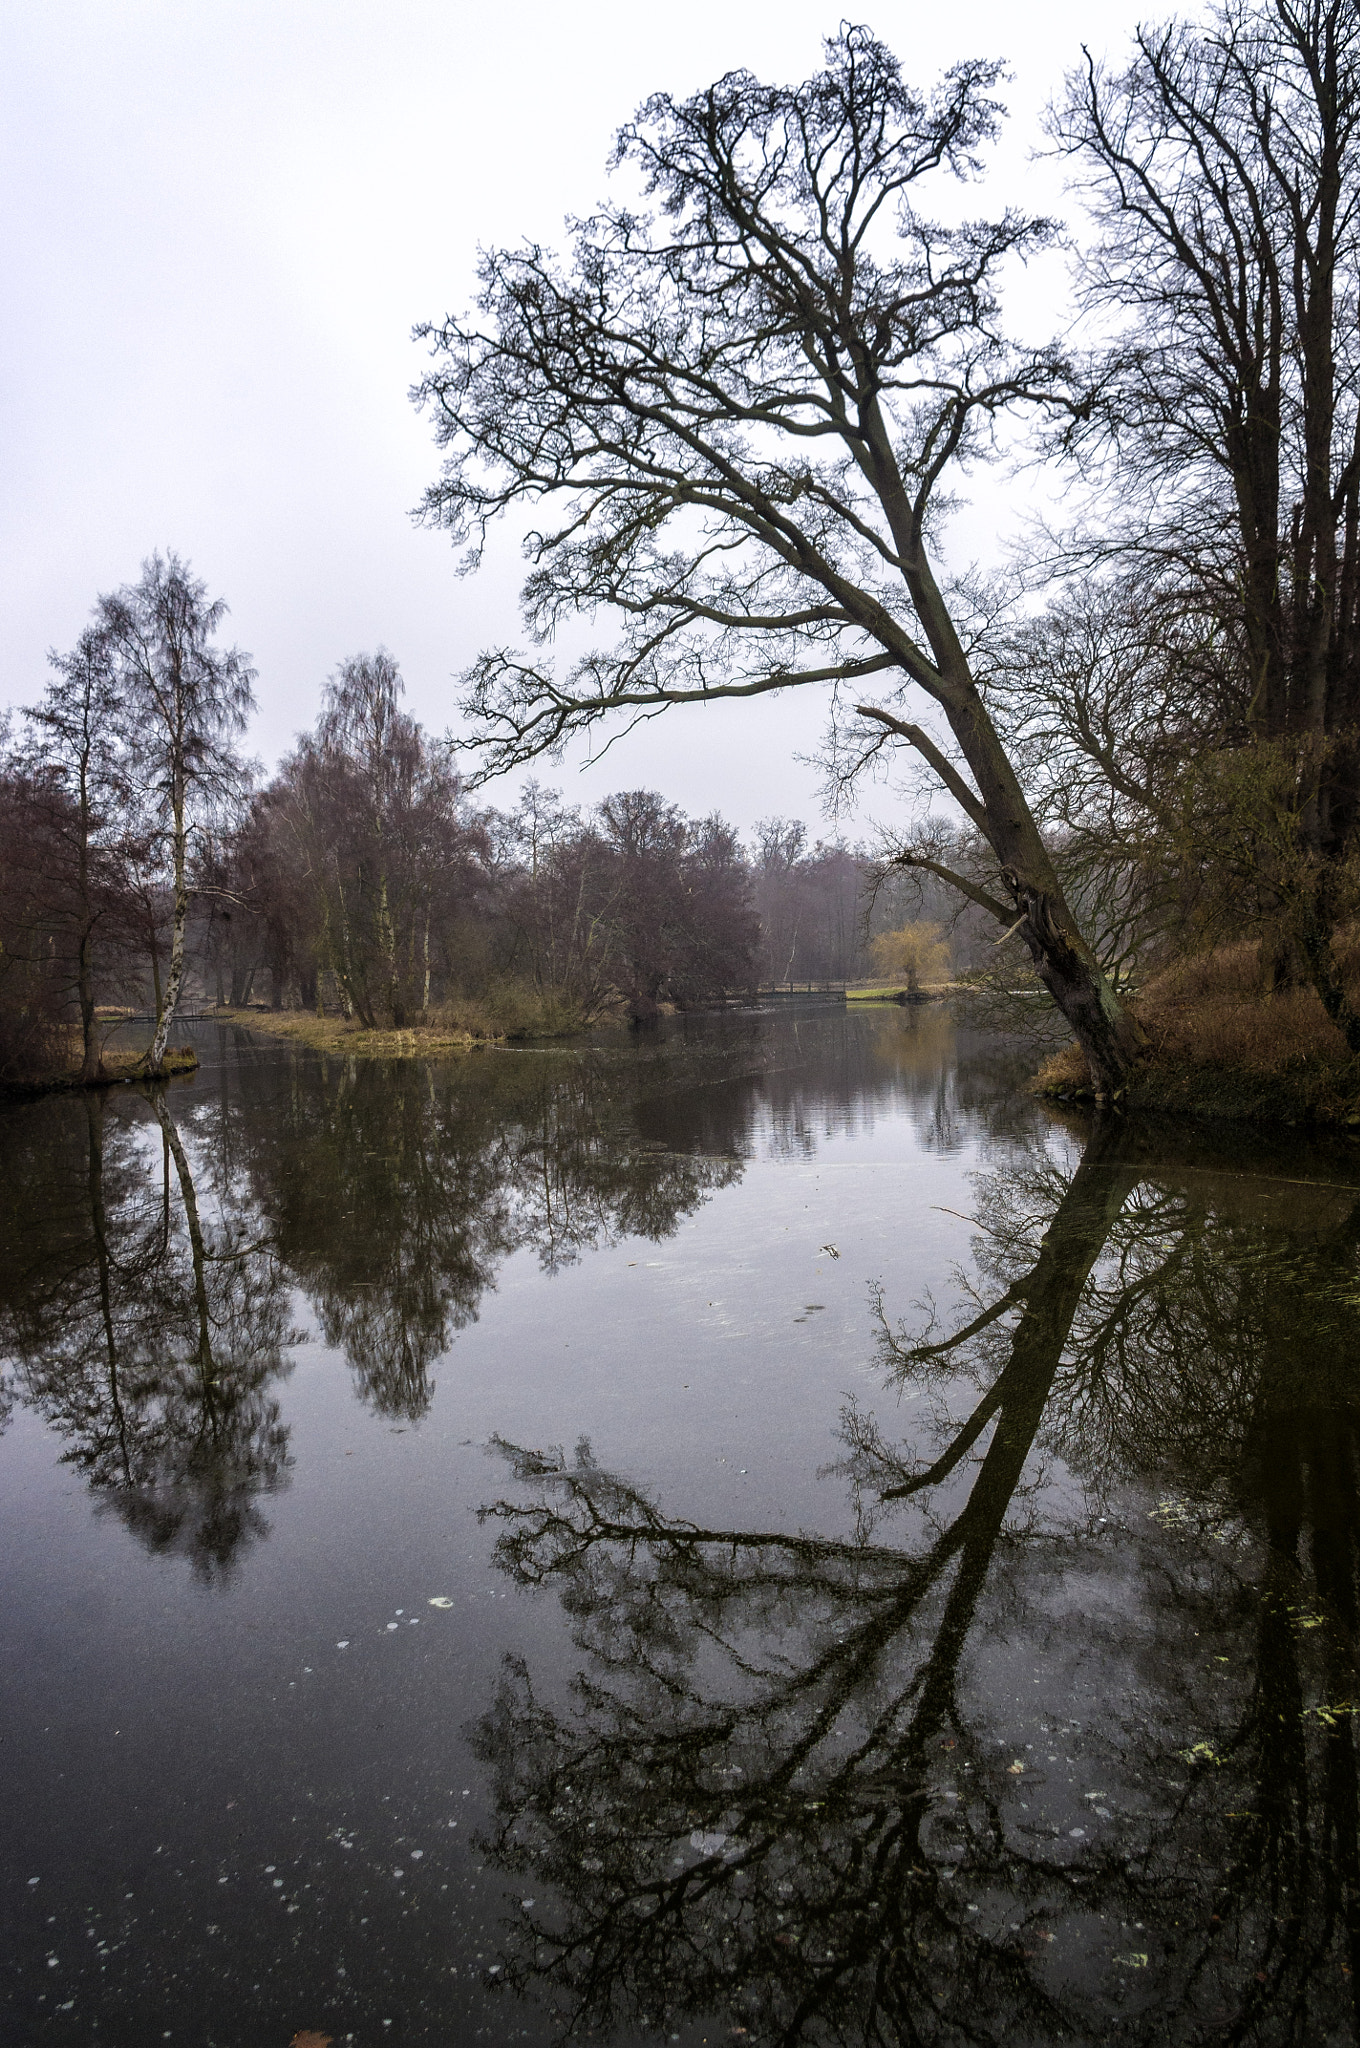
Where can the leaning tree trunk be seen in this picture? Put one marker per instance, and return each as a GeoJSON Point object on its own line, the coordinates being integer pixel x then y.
{"type": "Point", "coordinates": [1110, 1036]}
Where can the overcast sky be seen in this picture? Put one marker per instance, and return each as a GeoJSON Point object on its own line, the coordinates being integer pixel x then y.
{"type": "Point", "coordinates": [221, 220]}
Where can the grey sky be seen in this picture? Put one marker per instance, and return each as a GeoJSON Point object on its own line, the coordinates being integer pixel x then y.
{"type": "Point", "coordinates": [221, 220]}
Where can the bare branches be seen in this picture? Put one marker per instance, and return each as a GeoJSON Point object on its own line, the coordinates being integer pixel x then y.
{"type": "Point", "coordinates": [964, 797]}
{"type": "Point", "coordinates": [739, 411]}
{"type": "Point", "coordinates": [773, 374]}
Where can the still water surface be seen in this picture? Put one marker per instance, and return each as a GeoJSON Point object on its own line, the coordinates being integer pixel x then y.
{"type": "Point", "coordinates": [758, 1533]}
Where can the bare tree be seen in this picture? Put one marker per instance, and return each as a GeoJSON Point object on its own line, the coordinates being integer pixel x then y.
{"type": "Point", "coordinates": [78, 762]}
{"type": "Point", "coordinates": [1224, 167]}
{"type": "Point", "coordinates": [742, 410]}
{"type": "Point", "coordinates": [184, 700]}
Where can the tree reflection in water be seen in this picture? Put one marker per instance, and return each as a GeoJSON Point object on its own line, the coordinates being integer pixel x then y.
{"type": "Point", "coordinates": [396, 1190]}
{"type": "Point", "coordinates": [799, 1782]}
{"type": "Point", "coordinates": [147, 1255]}
{"type": "Point", "coordinates": [150, 1337]}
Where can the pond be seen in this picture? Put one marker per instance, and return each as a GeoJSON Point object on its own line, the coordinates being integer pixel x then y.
{"type": "Point", "coordinates": [758, 1531]}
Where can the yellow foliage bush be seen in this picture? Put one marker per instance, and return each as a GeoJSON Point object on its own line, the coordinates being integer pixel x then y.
{"type": "Point", "coordinates": [913, 954]}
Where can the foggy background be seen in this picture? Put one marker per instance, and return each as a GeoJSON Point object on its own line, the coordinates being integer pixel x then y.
{"type": "Point", "coordinates": [220, 222]}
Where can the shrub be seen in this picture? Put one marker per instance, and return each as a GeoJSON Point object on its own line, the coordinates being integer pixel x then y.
{"type": "Point", "coordinates": [912, 954]}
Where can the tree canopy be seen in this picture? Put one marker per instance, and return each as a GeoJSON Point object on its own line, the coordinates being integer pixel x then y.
{"type": "Point", "coordinates": [739, 409]}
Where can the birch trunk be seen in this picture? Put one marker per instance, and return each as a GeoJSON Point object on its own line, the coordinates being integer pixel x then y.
{"type": "Point", "coordinates": [155, 1058]}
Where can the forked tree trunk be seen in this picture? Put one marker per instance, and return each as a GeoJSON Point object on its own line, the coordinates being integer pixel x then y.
{"type": "Point", "coordinates": [155, 1057]}
{"type": "Point", "coordinates": [92, 1055]}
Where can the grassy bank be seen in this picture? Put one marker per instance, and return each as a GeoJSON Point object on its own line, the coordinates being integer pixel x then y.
{"type": "Point", "coordinates": [1222, 1047]}
{"type": "Point", "coordinates": [120, 1064]}
{"type": "Point", "coordinates": [507, 1015]}
{"type": "Point", "coordinates": [895, 992]}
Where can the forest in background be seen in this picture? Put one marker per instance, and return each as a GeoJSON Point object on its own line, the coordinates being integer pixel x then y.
{"type": "Point", "coordinates": [745, 414]}
{"type": "Point", "coordinates": [148, 867]}
{"type": "Point", "coordinates": [743, 402]}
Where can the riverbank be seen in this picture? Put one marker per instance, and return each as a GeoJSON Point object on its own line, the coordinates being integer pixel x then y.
{"type": "Point", "coordinates": [1220, 1047]}
{"type": "Point", "coordinates": [507, 1017]}
{"type": "Point", "coordinates": [119, 1066]}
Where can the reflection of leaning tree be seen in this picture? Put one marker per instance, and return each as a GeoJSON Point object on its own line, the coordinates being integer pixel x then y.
{"type": "Point", "coordinates": [151, 1338]}
{"type": "Point", "coordinates": [747, 1810]}
{"type": "Point", "coordinates": [1218, 1349]}
{"type": "Point", "coordinates": [782, 1789]}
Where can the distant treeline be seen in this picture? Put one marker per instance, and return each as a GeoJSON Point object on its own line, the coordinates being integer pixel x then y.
{"type": "Point", "coordinates": [146, 866]}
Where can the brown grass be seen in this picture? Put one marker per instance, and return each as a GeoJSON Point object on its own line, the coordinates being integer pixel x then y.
{"type": "Point", "coordinates": [347, 1035]}
{"type": "Point", "coordinates": [1222, 1045]}
{"type": "Point", "coordinates": [507, 1012]}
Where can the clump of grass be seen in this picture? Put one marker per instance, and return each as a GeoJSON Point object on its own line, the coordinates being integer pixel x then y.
{"type": "Point", "coordinates": [510, 1010]}
{"type": "Point", "coordinates": [1221, 1044]}
{"type": "Point", "coordinates": [506, 1011]}
{"type": "Point", "coordinates": [1214, 1010]}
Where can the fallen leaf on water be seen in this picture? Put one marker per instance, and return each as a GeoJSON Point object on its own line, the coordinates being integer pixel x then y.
{"type": "Point", "coordinates": [441, 1600]}
{"type": "Point", "coordinates": [1132, 1962]}
{"type": "Point", "coordinates": [309, 2038]}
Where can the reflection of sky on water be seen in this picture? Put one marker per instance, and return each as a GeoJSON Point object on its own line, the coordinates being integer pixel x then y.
{"type": "Point", "coordinates": [946, 1631]}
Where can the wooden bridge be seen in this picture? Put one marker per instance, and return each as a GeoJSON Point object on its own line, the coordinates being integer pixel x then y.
{"type": "Point", "coordinates": [795, 992]}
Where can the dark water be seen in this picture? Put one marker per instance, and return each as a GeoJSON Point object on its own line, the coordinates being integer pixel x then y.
{"type": "Point", "coordinates": [757, 1534]}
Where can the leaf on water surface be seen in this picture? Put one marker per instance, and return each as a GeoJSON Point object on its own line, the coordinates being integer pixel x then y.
{"type": "Point", "coordinates": [441, 1600]}
{"type": "Point", "coordinates": [1132, 1962]}
{"type": "Point", "coordinates": [309, 2038]}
